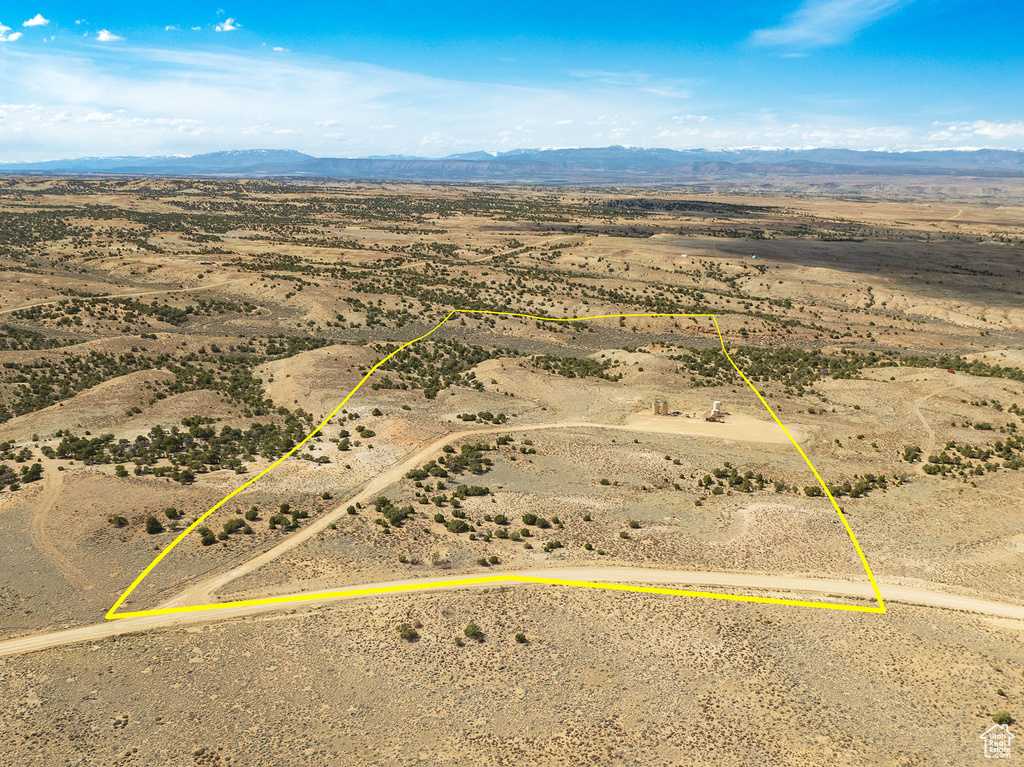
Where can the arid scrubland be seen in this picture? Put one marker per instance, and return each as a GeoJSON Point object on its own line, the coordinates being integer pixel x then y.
{"type": "Point", "coordinates": [161, 342]}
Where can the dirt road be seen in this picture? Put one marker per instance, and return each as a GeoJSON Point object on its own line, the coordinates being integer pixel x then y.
{"type": "Point", "coordinates": [128, 295]}
{"type": "Point", "coordinates": [202, 592]}
{"type": "Point", "coordinates": [927, 597]}
{"type": "Point", "coordinates": [39, 529]}
{"type": "Point", "coordinates": [924, 422]}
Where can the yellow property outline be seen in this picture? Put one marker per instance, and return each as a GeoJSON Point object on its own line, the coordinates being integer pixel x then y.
{"type": "Point", "coordinates": [113, 614]}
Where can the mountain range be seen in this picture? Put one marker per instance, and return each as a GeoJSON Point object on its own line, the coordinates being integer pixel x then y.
{"type": "Point", "coordinates": [614, 164]}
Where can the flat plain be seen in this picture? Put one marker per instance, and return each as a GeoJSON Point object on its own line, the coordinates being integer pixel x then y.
{"type": "Point", "coordinates": [162, 341]}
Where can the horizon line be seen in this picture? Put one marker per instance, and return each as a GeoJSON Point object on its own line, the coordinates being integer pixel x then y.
{"type": "Point", "coordinates": [499, 153]}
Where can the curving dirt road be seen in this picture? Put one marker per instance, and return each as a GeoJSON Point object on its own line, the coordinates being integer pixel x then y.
{"type": "Point", "coordinates": [52, 482]}
{"type": "Point", "coordinates": [926, 597]}
{"type": "Point", "coordinates": [202, 592]}
{"type": "Point", "coordinates": [199, 595]}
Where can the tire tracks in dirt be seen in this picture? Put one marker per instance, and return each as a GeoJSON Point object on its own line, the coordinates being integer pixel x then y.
{"type": "Point", "coordinates": [924, 422]}
{"type": "Point", "coordinates": [53, 481]}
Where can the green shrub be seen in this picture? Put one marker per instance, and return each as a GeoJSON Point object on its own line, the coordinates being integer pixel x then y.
{"type": "Point", "coordinates": [1002, 717]}
{"type": "Point", "coordinates": [153, 526]}
{"type": "Point", "coordinates": [279, 519]}
{"type": "Point", "coordinates": [233, 525]}
{"type": "Point", "coordinates": [521, 638]}
{"type": "Point", "coordinates": [473, 632]}
{"type": "Point", "coordinates": [457, 526]}
{"type": "Point", "coordinates": [911, 453]}
{"type": "Point", "coordinates": [117, 521]}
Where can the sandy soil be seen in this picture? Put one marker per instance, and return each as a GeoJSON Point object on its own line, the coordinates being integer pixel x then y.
{"type": "Point", "coordinates": [895, 269]}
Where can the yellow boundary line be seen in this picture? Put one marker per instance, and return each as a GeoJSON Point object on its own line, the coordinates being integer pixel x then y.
{"type": "Point", "coordinates": [113, 614]}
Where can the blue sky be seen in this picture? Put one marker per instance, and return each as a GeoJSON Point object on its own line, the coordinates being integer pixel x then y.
{"type": "Point", "coordinates": [430, 79]}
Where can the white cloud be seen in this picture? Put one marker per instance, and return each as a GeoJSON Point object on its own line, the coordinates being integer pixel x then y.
{"type": "Point", "coordinates": [8, 38]}
{"type": "Point", "coordinates": [170, 27]}
{"type": "Point", "coordinates": [665, 88]}
{"type": "Point", "coordinates": [106, 36]}
{"type": "Point", "coordinates": [564, 122]}
{"type": "Point", "coordinates": [196, 29]}
{"type": "Point", "coordinates": [957, 131]}
{"type": "Point", "coordinates": [669, 92]}
{"type": "Point", "coordinates": [279, 49]}
{"type": "Point", "coordinates": [825, 22]}
{"type": "Point", "coordinates": [228, 25]}
{"type": "Point", "coordinates": [36, 21]}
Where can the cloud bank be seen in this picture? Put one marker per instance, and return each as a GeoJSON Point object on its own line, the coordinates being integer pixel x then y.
{"type": "Point", "coordinates": [107, 100]}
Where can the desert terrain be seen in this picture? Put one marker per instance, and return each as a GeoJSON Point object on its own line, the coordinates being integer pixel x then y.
{"type": "Point", "coordinates": [163, 342]}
